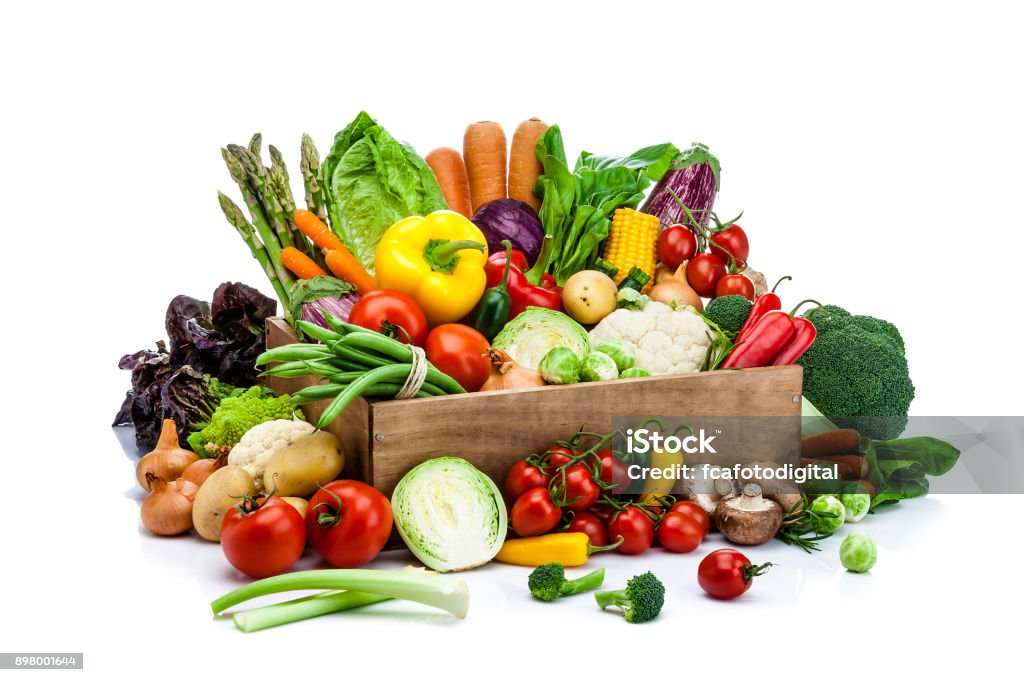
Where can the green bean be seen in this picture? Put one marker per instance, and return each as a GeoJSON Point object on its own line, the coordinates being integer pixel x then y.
{"type": "Point", "coordinates": [301, 368]}
{"type": "Point", "coordinates": [356, 388]}
{"type": "Point", "coordinates": [400, 352]}
{"type": "Point", "coordinates": [317, 332]}
{"type": "Point", "coordinates": [313, 394]}
{"type": "Point", "coordinates": [293, 352]}
{"type": "Point", "coordinates": [354, 355]}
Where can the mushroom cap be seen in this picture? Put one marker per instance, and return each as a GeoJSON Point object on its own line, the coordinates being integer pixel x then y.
{"type": "Point", "coordinates": [748, 519]}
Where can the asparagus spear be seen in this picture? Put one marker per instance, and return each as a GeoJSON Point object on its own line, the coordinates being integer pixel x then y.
{"type": "Point", "coordinates": [259, 217]}
{"type": "Point", "coordinates": [260, 179]}
{"type": "Point", "coordinates": [246, 231]}
{"type": "Point", "coordinates": [313, 179]}
{"type": "Point", "coordinates": [282, 184]}
{"type": "Point", "coordinates": [256, 144]}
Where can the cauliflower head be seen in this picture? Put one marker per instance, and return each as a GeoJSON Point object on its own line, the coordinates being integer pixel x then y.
{"type": "Point", "coordinates": [260, 443]}
{"type": "Point", "coordinates": [667, 341]}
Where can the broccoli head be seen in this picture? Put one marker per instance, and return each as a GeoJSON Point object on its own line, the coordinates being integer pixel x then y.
{"type": "Point", "coordinates": [548, 582]}
{"type": "Point", "coordinates": [640, 602]}
{"type": "Point", "coordinates": [855, 372]}
{"type": "Point", "coordinates": [729, 312]}
{"type": "Point", "coordinates": [237, 413]}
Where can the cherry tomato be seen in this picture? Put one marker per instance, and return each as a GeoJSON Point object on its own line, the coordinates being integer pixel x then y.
{"type": "Point", "coordinates": [592, 525]}
{"type": "Point", "coordinates": [735, 285]}
{"type": "Point", "coordinates": [391, 313]}
{"type": "Point", "coordinates": [679, 533]}
{"type": "Point", "coordinates": [581, 492]}
{"type": "Point", "coordinates": [695, 512]}
{"type": "Point", "coordinates": [603, 511]}
{"type": "Point", "coordinates": [676, 243]}
{"type": "Point", "coordinates": [734, 240]}
{"type": "Point", "coordinates": [703, 272]}
{"type": "Point", "coordinates": [726, 573]}
{"type": "Point", "coordinates": [635, 529]}
{"type": "Point", "coordinates": [613, 470]}
{"type": "Point", "coordinates": [521, 477]}
{"type": "Point", "coordinates": [460, 352]}
{"type": "Point", "coordinates": [262, 536]}
{"type": "Point", "coordinates": [557, 456]}
{"type": "Point", "coordinates": [348, 523]}
{"type": "Point", "coordinates": [534, 513]}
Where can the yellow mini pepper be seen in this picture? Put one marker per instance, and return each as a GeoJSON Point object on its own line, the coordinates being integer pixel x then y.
{"type": "Point", "coordinates": [438, 260]}
{"type": "Point", "coordinates": [568, 549]}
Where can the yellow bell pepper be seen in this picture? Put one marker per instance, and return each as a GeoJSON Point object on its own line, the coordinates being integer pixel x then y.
{"type": "Point", "coordinates": [655, 489]}
{"type": "Point", "coordinates": [438, 260]}
{"type": "Point", "coordinates": [568, 549]}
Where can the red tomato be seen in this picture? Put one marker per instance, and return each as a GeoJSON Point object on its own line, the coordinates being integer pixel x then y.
{"type": "Point", "coordinates": [735, 285]}
{"type": "Point", "coordinates": [521, 477]}
{"type": "Point", "coordinates": [262, 536]}
{"type": "Point", "coordinates": [613, 470]}
{"type": "Point", "coordinates": [592, 525]}
{"type": "Point", "coordinates": [734, 240]}
{"type": "Point", "coordinates": [635, 529]}
{"type": "Point", "coordinates": [460, 352]}
{"type": "Point", "coordinates": [557, 456]}
{"type": "Point", "coordinates": [348, 523]}
{"type": "Point", "coordinates": [695, 512]}
{"type": "Point", "coordinates": [703, 272]}
{"type": "Point", "coordinates": [726, 573]}
{"type": "Point", "coordinates": [391, 313]}
{"type": "Point", "coordinates": [534, 513]}
{"type": "Point", "coordinates": [679, 533]}
{"type": "Point", "coordinates": [603, 511]}
{"type": "Point", "coordinates": [676, 243]}
{"type": "Point", "coordinates": [580, 490]}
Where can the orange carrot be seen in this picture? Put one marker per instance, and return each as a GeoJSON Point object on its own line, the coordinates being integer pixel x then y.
{"type": "Point", "coordinates": [300, 264]}
{"type": "Point", "coordinates": [347, 267]}
{"type": "Point", "coordinates": [484, 148]}
{"type": "Point", "coordinates": [450, 171]}
{"type": "Point", "coordinates": [523, 166]}
{"type": "Point", "coordinates": [314, 228]}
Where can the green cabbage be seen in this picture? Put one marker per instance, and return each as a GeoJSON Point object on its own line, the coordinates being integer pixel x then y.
{"type": "Point", "coordinates": [450, 514]}
{"type": "Point", "coordinates": [532, 333]}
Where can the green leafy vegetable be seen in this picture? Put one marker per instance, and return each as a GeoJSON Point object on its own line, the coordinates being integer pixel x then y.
{"type": "Point", "coordinates": [532, 333]}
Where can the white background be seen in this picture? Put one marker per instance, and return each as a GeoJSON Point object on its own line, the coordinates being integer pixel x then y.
{"type": "Point", "coordinates": [875, 150]}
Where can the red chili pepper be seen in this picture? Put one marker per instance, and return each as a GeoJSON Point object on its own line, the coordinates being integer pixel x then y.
{"type": "Point", "coordinates": [531, 287]}
{"type": "Point", "coordinates": [767, 338]}
{"type": "Point", "coordinates": [798, 345]}
{"type": "Point", "coordinates": [765, 303]}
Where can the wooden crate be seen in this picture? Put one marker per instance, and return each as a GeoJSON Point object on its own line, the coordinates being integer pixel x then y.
{"type": "Point", "coordinates": [383, 439]}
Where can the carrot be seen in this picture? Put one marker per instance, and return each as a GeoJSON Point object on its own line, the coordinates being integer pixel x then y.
{"type": "Point", "coordinates": [852, 464]}
{"type": "Point", "coordinates": [868, 487]}
{"type": "Point", "coordinates": [523, 165]}
{"type": "Point", "coordinates": [347, 267]}
{"type": "Point", "coordinates": [830, 443]}
{"type": "Point", "coordinates": [484, 148]}
{"type": "Point", "coordinates": [843, 471]}
{"type": "Point", "coordinates": [450, 171]}
{"type": "Point", "coordinates": [300, 264]}
{"type": "Point", "coordinates": [314, 228]}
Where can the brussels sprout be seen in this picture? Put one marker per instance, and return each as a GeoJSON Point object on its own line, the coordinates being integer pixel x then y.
{"type": "Point", "coordinates": [622, 352]}
{"type": "Point", "coordinates": [634, 372]}
{"type": "Point", "coordinates": [858, 553]}
{"type": "Point", "coordinates": [560, 366]}
{"type": "Point", "coordinates": [597, 366]}
{"type": "Point", "coordinates": [857, 505]}
{"type": "Point", "coordinates": [528, 336]}
{"type": "Point", "coordinates": [828, 504]}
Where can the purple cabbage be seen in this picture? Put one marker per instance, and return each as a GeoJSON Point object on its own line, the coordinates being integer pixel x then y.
{"type": "Point", "coordinates": [341, 308]}
{"type": "Point", "coordinates": [695, 177]}
{"type": "Point", "coordinates": [513, 220]}
{"type": "Point", "coordinates": [308, 299]}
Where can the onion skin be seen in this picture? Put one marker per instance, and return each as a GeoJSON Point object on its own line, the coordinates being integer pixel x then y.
{"type": "Point", "coordinates": [197, 472]}
{"type": "Point", "coordinates": [677, 289]}
{"type": "Point", "coordinates": [168, 460]}
{"type": "Point", "coordinates": [167, 510]}
{"type": "Point", "coordinates": [506, 373]}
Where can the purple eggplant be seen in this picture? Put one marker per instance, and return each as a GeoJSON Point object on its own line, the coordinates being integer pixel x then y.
{"type": "Point", "coordinates": [695, 177]}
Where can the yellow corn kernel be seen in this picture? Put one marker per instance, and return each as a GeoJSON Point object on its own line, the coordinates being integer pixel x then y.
{"type": "Point", "coordinates": [632, 242]}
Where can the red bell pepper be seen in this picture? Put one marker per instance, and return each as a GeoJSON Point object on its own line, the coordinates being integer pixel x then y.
{"type": "Point", "coordinates": [765, 303]}
{"type": "Point", "coordinates": [532, 287]}
{"type": "Point", "coordinates": [798, 345]}
{"type": "Point", "coordinates": [766, 339]}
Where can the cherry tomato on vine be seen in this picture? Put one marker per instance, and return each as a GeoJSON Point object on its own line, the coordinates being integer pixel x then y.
{"type": "Point", "coordinates": [735, 284]}
{"type": "Point", "coordinates": [695, 512]}
{"type": "Point", "coordinates": [580, 490]}
{"type": "Point", "coordinates": [676, 243]}
{"type": "Point", "coordinates": [726, 573]}
{"type": "Point", "coordinates": [460, 352]}
{"type": "Point", "coordinates": [523, 476]}
{"type": "Point", "coordinates": [391, 313]}
{"type": "Point", "coordinates": [613, 470]}
{"type": "Point", "coordinates": [348, 523]}
{"type": "Point", "coordinates": [703, 272]}
{"type": "Point", "coordinates": [679, 533]}
{"type": "Point", "coordinates": [635, 529]}
{"type": "Point", "coordinates": [592, 525]}
{"type": "Point", "coordinates": [603, 511]}
{"type": "Point", "coordinates": [557, 456]}
{"type": "Point", "coordinates": [262, 536]}
{"type": "Point", "coordinates": [534, 513]}
{"type": "Point", "coordinates": [734, 240]}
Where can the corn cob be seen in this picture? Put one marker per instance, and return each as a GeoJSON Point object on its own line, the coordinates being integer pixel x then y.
{"type": "Point", "coordinates": [632, 242]}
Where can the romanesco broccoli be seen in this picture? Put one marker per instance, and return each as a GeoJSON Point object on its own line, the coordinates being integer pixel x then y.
{"type": "Point", "coordinates": [236, 414]}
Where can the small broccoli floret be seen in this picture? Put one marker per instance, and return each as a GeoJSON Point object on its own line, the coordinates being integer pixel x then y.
{"type": "Point", "coordinates": [640, 602]}
{"type": "Point", "coordinates": [236, 414]}
{"type": "Point", "coordinates": [856, 374]}
{"type": "Point", "coordinates": [548, 582]}
{"type": "Point", "coordinates": [729, 312]}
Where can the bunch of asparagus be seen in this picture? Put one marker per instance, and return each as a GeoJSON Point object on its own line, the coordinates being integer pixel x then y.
{"type": "Point", "coordinates": [268, 195]}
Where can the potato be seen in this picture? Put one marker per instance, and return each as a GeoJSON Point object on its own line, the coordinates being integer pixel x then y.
{"type": "Point", "coordinates": [299, 469]}
{"type": "Point", "coordinates": [589, 296]}
{"type": "Point", "coordinates": [300, 504]}
{"type": "Point", "coordinates": [218, 494]}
